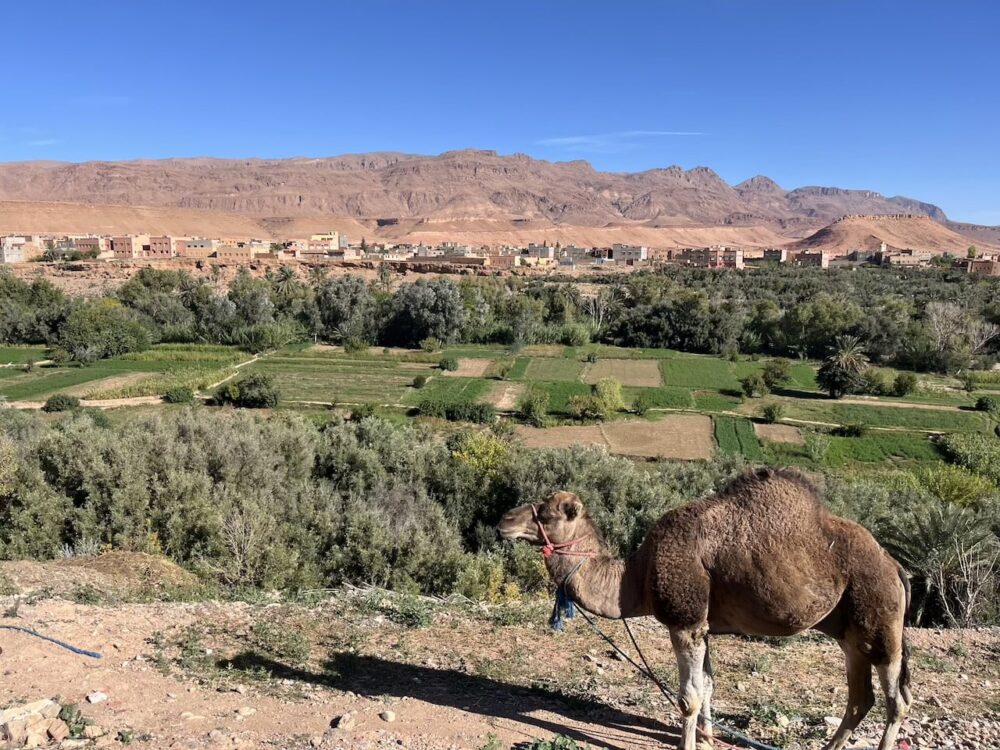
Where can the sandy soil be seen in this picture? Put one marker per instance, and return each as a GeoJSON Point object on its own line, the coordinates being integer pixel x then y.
{"type": "Point", "coordinates": [779, 433]}
{"type": "Point", "coordinates": [107, 384]}
{"type": "Point", "coordinates": [217, 675]}
{"type": "Point", "coordinates": [469, 368]}
{"type": "Point", "coordinates": [504, 395]}
{"type": "Point", "coordinates": [680, 436]}
{"type": "Point", "coordinates": [638, 372]}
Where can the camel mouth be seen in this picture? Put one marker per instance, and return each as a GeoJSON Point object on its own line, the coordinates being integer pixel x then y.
{"type": "Point", "coordinates": [513, 526]}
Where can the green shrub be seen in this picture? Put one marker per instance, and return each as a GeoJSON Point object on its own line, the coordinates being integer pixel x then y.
{"type": "Point", "coordinates": [534, 407]}
{"type": "Point", "coordinates": [61, 402]}
{"type": "Point", "coordinates": [776, 372]}
{"type": "Point", "coordinates": [591, 357]}
{"type": "Point", "coordinates": [256, 390]}
{"type": "Point", "coordinates": [363, 411]}
{"type": "Point", "coordinates": [449, 363]}
{"type": "Point", "coordinates": [431, 345]}
{"type": "Point", "coordinates": [955, 485]}
{"type": "Point", "coordinates": [179, 395]}
{"type": "Point", "coordinates": [356, 346]}
{"type": "Point", "coordinates": [904, 384]}
{"type": "Point", "coordinates": [773, 412]}
{"type": "Point", "coordinates": [877, 382]}
{"type": "Point", "coordinates": [754, 385]}
{"type": "Point", "coordinates": [574, 334]}
{"type": "Point", "coordinates": [988, 404]}
{"type": "Point", "coordinates": [587, 407]}
{"type": "Point", "coordinates": [976, 452]}
{"type": "Point", "coordinates": [419, 381]}
{"type": "Point", "coordinates": [458, 412]}
{"type": "Point", "coordinates": [854, 430]}
{"type": "Point", "coordinates": [609, 392]}
{"type": "Point", "coordinates": [641, 404]}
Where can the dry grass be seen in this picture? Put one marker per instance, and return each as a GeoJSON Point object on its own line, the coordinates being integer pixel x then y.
{"type": "Point", "coordinates": [504, 395]}
{"type": "Point", "coordinates": [470, 368]}
{"type": "Point", "coordinates": [637, 372]}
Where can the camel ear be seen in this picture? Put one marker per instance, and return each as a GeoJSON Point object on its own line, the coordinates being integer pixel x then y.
{"type": "Point", "coordinates": [571, 507]}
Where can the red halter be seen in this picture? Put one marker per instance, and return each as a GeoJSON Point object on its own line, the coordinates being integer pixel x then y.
{"type": "Point", "coordinates": [562, 548]}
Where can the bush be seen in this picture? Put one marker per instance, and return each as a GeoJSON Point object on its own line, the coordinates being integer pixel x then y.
{"type": "Point", "coordinates": [534, 407]}
{"type": "Point", "coordinates": [254, 391]}
{"type": "Point", "coordinates": [574, 335]}
{"type": "Point", "coordinates": [877, 382]}
{"type": "Point", "coordinates": [356, 346]}
{"type": "Point", "coordinates": [754, 386]}
{"type": "Point", "coordinates": [504, 368]}
{"type": "Point", "coordinates": [904, 384]}
{"type": "Point", "coordinates": [431, 345]}
{"type": "Point", "coordinates": [420, 381]}
{"type": "Point", "coordinates": [179, 395]}
{"type": "Point", "coordinates": [773, 413]}
{"type": "Point", "coordinates": [61, 402]}
{"type": "Point", "coordinates": [776, 372]}
{"type": "Point", "coordinates": [988, 404]}
{"type": "Point", "coordinates": [976, 452]}
{"type": "Point", "coordinates": [458, 412]}
{"type": "Point", "coordinates": [449, 364]}
{"type": "Point", "coordinates": [591, 357]}
{"type": "Point", "coordinates": [641, 404]}
{"type": "Point", "coordinates": [854, 430]}
{"type": "Point", "coordinates": [609, 392]}
{"type": "Point", "coordinates": [363, 411]}
{"type": "Point", "coordinates": [587, 407]}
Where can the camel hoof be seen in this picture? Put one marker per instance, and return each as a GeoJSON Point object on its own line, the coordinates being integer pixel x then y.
{"type": "Point", "coordinates": [705, 745]}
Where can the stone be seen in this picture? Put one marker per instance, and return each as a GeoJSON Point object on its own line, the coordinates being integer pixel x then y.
{"type": "Point", "coordinates": [73, 744]}
{"type": "Point", "coordinates": [832, 721]}
{"type": "Point", "coordinates": [58, 730]}
{"type": "Point", "coordinates": [782, 721]}
{"type": "Point", "coordinates": [35, 740]}
{"type": "Point", "coordinates": [245, 711]}
{"type": "Point", "coordinates": [346, 721]}
{"type": "Point", "coordinates": [48, 709]}
{"type": "Point", "coordinates": [14, 731]}
{"type": "Point", "coordinates": [315, 741]}
{"type": "Point", "coordinates": [97, 697]}
{"type": "Point", "coordinates": [93, 731]}
{"type": "Point", "coordinates": [388, 716]}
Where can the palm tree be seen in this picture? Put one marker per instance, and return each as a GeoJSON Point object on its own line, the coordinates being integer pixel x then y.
{"type": "Point", "coordinates": [842, 372]}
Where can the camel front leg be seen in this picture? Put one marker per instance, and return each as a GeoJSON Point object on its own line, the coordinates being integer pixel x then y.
{"type": "Point", "coordinates": [689, 649]}
{"type": "Point", "coordinates": [708, 687]}
{"type": "Point", "coordinates": [860, 696]}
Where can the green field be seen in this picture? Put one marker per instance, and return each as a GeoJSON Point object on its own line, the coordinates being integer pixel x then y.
{"type": "Point", "coordinates": [151, 372]}
{"type": "Point", "coordinates": [735, 436]}
{"type": "Point", "coordinates": [554, 369]}
{"type": "Point", "coordinates": [931, 420]}
{"type": "Point", "coordinates": [661, 398]}
{"type": "Point", "coordinates": [450, 390]}
{"type": "Point", "coordinates": [894, 448]}
{"type": "Point", "coordinates": [18, 355]}
{"type": "Point", "coordinates": [693, 371]}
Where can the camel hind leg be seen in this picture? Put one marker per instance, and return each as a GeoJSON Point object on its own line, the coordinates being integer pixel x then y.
{"type": "Point", "coordinates": [708, 688]}
{"type": "Point", "coordinates": [894, 675]}
{"type": "Point", "coordinates": [689, 648]}
{"type": "Point", "coordinates": [860, 695]}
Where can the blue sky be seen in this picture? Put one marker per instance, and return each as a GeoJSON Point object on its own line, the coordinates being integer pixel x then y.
{"type": "Point", "coordinates": [899, 97]}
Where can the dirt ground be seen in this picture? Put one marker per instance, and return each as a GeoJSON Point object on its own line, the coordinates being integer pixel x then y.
{"type": "Point", "coordinates": [637, 372]}
{"type": "Point", "coordinates": [470, 368]}
{"type": "Point", "coordinates": [504, 394]}
{"type": "Point", "coordinates": [680, 436]}
{"type": "Point", "coordinates": [778, 433]}
{"type": "Point", "coordinates": [209, 674]}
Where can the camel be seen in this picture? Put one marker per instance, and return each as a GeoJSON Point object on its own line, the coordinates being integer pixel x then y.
{"type": "Point", "coordinates": [763, 557]}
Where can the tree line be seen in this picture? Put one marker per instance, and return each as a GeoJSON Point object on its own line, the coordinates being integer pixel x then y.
{"type": "Point", "coordinates": [924, 320]}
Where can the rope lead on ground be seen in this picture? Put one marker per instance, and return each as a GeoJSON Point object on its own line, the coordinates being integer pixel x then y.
{"type": "Point", "coordinates": [56, 641]}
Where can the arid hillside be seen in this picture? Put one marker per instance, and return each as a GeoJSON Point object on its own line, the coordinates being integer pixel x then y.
{"type": "Point", "coordinates": [898, 232]}
{"type": "Point", "coordinates": [477, 197]}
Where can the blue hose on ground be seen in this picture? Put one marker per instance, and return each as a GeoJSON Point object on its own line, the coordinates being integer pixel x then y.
{"type": "Point", "coordinates": [61, 644]}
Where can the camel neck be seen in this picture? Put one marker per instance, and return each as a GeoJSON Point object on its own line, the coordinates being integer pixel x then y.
{"type": "Point", "coordinates": [602, 585]}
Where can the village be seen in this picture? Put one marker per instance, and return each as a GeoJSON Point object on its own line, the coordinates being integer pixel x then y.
{"type": "Point", "coordinates": [333, 246]}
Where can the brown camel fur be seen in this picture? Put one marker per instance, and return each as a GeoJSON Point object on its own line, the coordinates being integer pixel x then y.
{"type": "Point", "coordinates": [764, 557]}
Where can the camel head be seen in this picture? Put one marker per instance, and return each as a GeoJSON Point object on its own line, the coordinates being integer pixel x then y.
{"type": "Point", "coordinates": [561, 514]}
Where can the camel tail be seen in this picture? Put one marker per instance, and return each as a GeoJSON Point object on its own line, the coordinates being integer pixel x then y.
{"type": "Point", "coordinates": [904, 666]}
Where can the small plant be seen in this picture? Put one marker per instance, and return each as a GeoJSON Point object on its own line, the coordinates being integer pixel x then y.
{"type": "Point", "coordinates": [492, 743]}
{"type": "Point", "coordinates": [591, 357]}
{"type": "Point", "coordinates": [449, 364]}
{"type": "Point", "coordinates": [817, 445]}
{"type": "Point", "coordinates": [534, 407]}
{"type": "Point", "coordinates": [776, 372]}
{"type": "Point", "coordinates": [773, 413]}
{"type": "Point", "coordinates": [430, 345]}
{"type": "Point", "coordinates": [179, 395]}
{"type": "Point", "coordinates": [287, 644]}
{"type": "Point", "coordinates": [61, 402]}
{"type": "Point", "coordinates": [504, 369]}
{"type": "Point", "coordinates": [254, 391]}
{"type": "Point", "coordinates": [587, 408]}
{"type": "Point", "coordinates": [853, 430]}
{"type": "Point", "coordinates": [559, 742]}
{"type": "Point", "coordinates": [411, 612]}
{"type": "Point", "coordinates": [968, 382]}
{"type": "Point", "coordinates": [420, 381]}
{"type": "Point", "coordinates": [363, 411]}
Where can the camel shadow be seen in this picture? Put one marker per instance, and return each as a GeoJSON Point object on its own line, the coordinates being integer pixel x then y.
{"type": "Point", "coordinates": [372, 676]}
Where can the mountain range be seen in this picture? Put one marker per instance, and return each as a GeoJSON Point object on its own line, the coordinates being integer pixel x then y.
{"type": "Point", "coordinates": [471, 196]}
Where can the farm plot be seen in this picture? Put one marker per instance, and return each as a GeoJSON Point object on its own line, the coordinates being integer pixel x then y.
{"type": "Point", "coordinates": [735, 436]}
{"type": "Point", "coordinates": [450, 391]}
{"type": "Point", "coordinates": [19, 355]}
{"type": "Point", "coordinates": [505, 395]}
{"type": "Point", "coordinates": [381, 381]}
{"type": "Point", "coordinates": [691, 371]}
{"type": "Point", "coordinates": [779, 433]}
{"type": "Point", "coordinates": [633, 372]}
{"type": "Point", "coordinates": [552, 369]}
{"type": "Point", "coordinates": [470, 368]}
{"type": "Point", "coordinates": [927, 419]}
{"type": "Point", "coordinates": [678, 436]}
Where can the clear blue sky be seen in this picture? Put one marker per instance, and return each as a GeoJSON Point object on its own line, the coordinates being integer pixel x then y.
{"type": "Point", "coordinates": [901, 96]}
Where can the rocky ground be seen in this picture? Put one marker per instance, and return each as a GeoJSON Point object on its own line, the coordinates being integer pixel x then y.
{"type": "Point", "coordinates": [371, 670]}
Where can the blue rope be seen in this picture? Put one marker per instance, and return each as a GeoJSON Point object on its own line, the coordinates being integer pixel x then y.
{"type": "Point", "coordinates": [61, 644]}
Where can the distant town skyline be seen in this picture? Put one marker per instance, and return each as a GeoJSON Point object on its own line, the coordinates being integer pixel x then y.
{"type": "Point", "coordinates": [891, 96]}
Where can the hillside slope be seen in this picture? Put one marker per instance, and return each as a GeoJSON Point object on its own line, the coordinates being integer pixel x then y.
{"type": "Point", "coordinates": [898, 232]}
